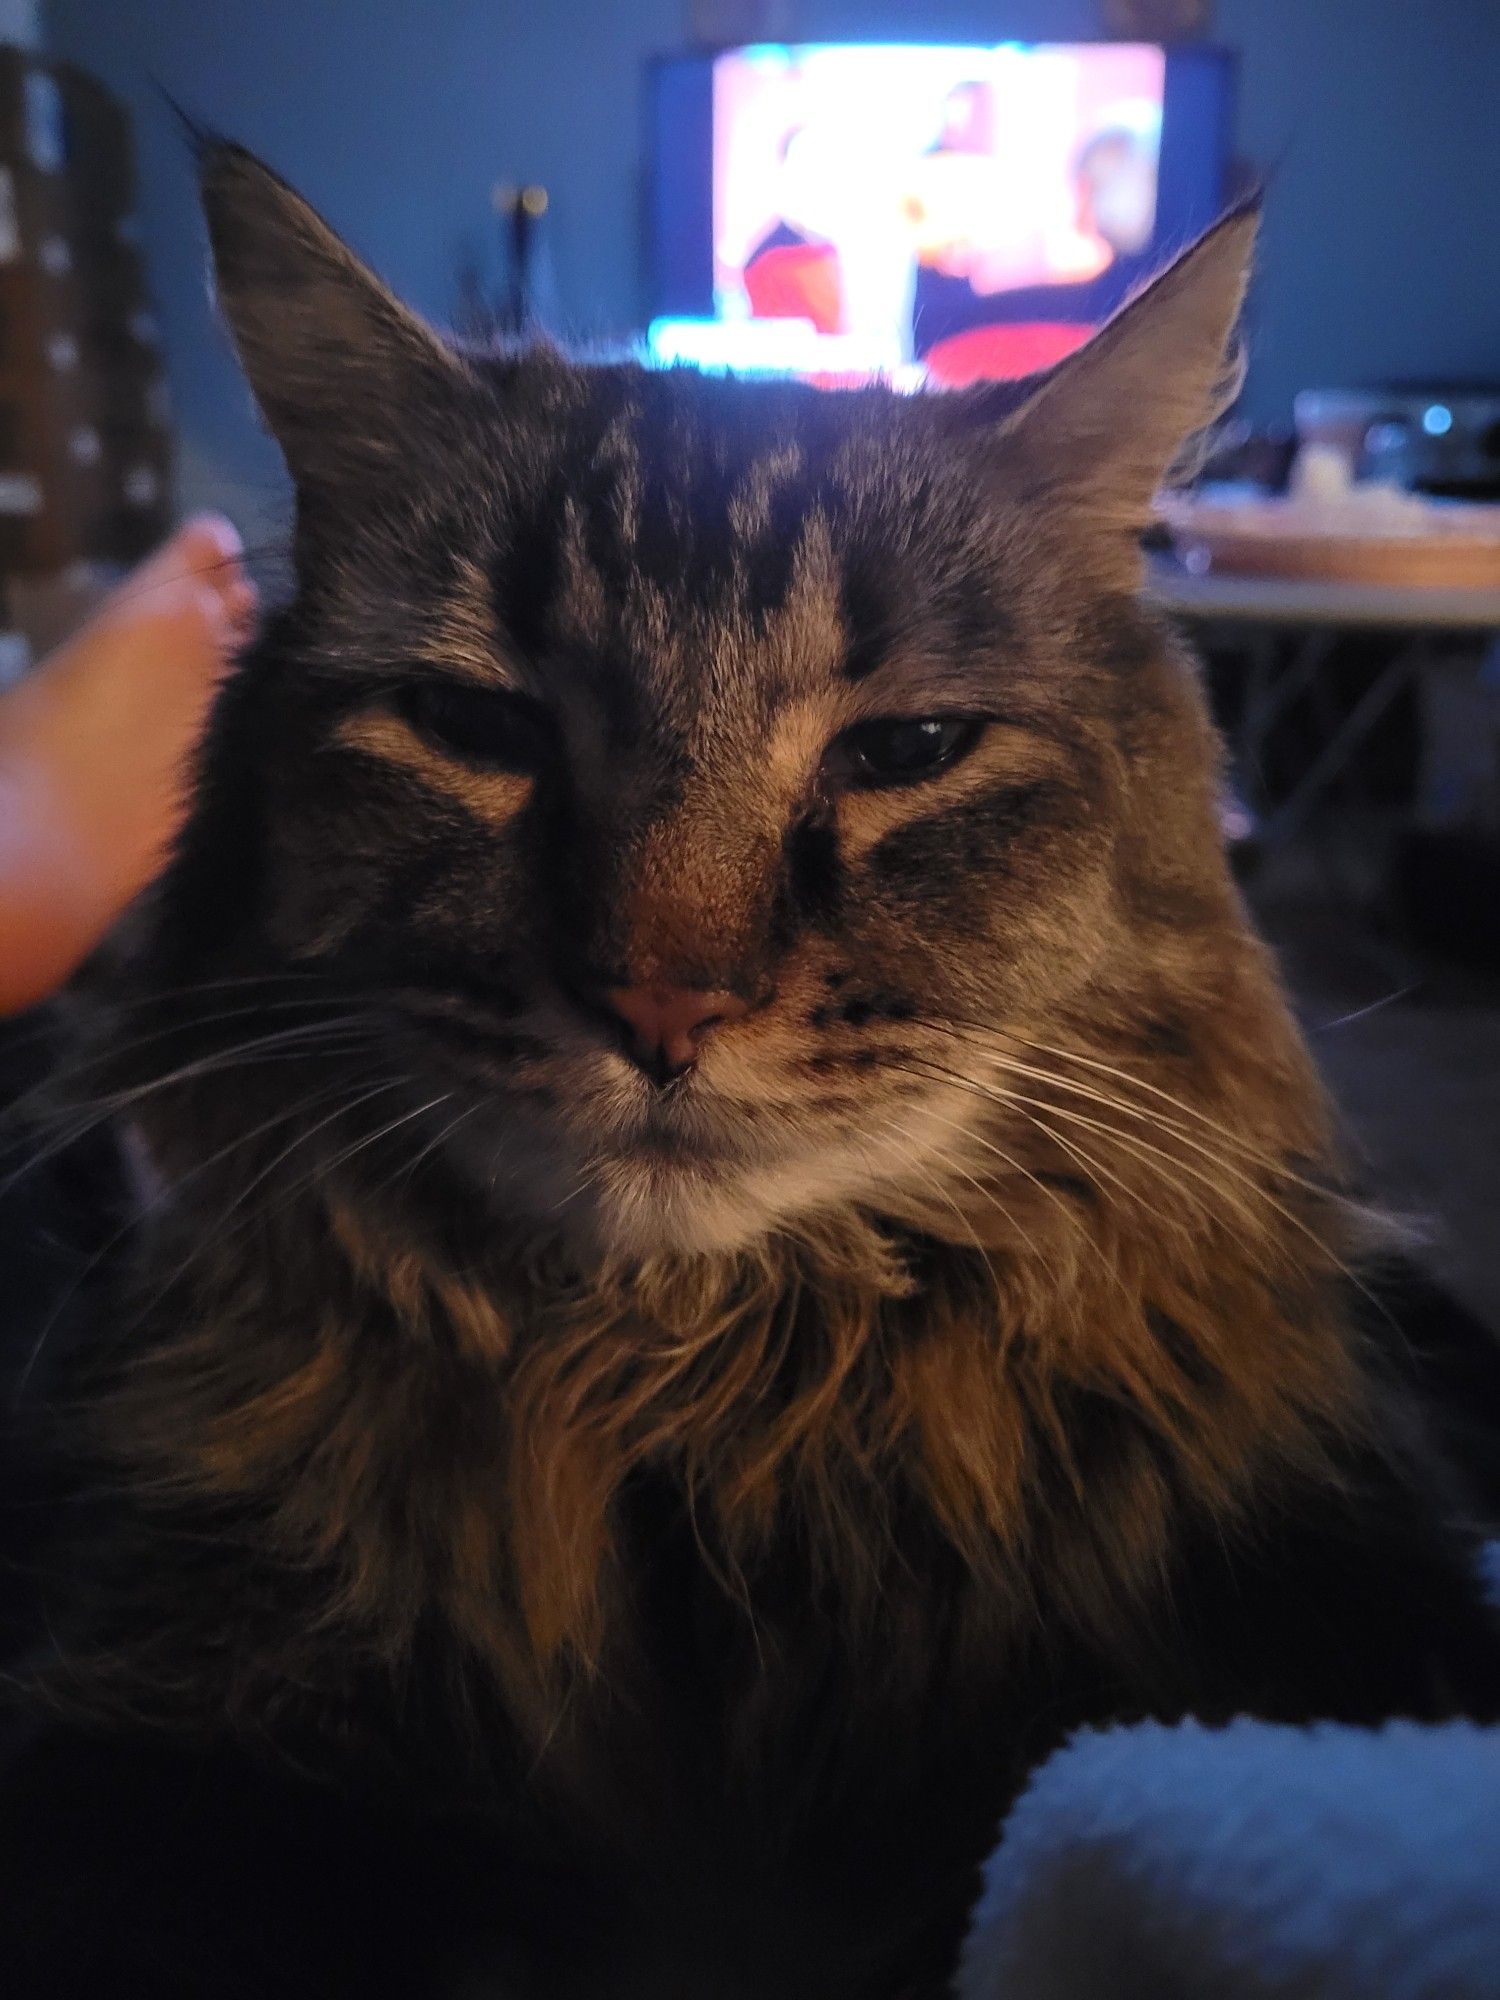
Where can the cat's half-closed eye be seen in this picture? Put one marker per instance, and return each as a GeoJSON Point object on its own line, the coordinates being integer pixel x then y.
{"type": "Point", "coordinates": [488, 727]}
{"type": "Point", "coordinates": [900, 749]}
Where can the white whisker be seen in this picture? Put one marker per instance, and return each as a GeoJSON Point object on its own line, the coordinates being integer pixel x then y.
{"type": "Point", "coordinates": [267, 1048]}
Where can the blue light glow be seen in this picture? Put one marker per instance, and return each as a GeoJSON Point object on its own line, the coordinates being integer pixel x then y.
{"type": "Point", "coordinates": [771, 347]}
{"type": "Point", "coordinates": [1437, 420]}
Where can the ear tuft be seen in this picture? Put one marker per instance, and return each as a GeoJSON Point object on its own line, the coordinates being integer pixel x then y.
{"type": "Point", "coordinates": [1102, 430]}
{"type": "Point", "coordinates": [331, 354]}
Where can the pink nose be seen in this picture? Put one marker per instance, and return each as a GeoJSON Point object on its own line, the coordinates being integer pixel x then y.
{"type": "Point", "coordinates": [665, 1024]}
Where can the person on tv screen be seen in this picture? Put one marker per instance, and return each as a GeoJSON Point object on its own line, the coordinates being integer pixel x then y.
{"type": "Point", "coordinates": [965, 328]}
{"type": "Point", "coordinates": [793, 271]}
{"type": "Point", "coordinates": [1114, 179]}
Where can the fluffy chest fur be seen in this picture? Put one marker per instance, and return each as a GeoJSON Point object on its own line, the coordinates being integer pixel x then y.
{"type": "Point", "coordinates": [694, 1592]}
{"type": "Point", "coordinates": [857, 1437]}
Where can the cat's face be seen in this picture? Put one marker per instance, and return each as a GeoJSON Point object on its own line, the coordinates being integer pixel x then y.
{"type": "Point", "coordinates": [693, 776]}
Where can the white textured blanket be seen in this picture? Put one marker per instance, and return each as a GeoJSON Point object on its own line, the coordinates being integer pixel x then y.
{"type": "Point", "coordinates": [1254, 1862]}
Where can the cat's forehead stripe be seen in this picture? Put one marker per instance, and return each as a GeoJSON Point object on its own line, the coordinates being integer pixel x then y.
{"type": "Point", "coordinates": [705, 519]}
{"type": "Point", "coordinates": [662, 522]}
{"type": "Point", "coordinates": [750, 504]}
{"type": "Point", "coordinates": [461, 629]}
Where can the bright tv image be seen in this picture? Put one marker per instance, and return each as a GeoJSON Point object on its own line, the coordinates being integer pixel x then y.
{"type": "Point", "coordinates": [953, 205]}
{"type": "Point", "coordinates": [954, 213]}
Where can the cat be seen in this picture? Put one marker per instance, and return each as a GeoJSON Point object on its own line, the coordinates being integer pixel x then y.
{"type": "Point", "coordinates": [731, 1233]}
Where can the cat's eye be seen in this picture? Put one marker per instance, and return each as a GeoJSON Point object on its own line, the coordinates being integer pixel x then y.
{"type": "Point", "coordinates": [902, 750]}
{"type": "Point", "coordinates": [489, 726]}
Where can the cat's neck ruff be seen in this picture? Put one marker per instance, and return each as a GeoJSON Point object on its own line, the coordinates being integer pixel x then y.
{"type": "Point", "coordinates": [460, 1444]}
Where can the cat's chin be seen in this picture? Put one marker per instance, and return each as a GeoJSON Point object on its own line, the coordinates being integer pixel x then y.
{"type": "Point", "coordinates": [656, 1209]}
{"type": "Point", "coordinates": [690, 1184]}
{"type": "Point", "coordinates": [635, 1209]}
{"type": "Point", "coordinates": [636, 1205]}
{"type": "Point", "coordinates": [631, 1177]}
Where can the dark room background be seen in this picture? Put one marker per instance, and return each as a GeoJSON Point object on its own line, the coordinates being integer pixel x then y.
{"type": "Point", "coordinates": [1375, 118]}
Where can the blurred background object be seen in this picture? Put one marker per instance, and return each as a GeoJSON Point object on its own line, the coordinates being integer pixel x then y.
{"type": "Point", "coordinates": [85, 444]}
{"type": "Point", "coordinates": [1157, 20]}
{"type": "Point", "coordinates": [1373, 122]}
{"type": "Point", "coordinates": [1434, 437]}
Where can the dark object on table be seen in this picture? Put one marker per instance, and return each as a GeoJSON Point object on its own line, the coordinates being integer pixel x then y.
{"type": "Point", "coordinates": [1434, 437]}
{"type": "Point", "coordinates": [519, 302]}
{"type": "Point", "coordinates": [1446, 883]}
{"type": "Point", "coordinates": [1245, 455]}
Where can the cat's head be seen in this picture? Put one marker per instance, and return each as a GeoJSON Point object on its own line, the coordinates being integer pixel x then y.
{"type": "Point", "coordinates": [692, 777]}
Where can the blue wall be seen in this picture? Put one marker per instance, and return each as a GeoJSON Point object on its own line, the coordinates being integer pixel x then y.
{"type": "Point", "coordinates": [1379, 118]}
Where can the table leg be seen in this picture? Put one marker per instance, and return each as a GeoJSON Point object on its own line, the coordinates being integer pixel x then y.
{"type": "Point", "coordinates": [1330, 762]}
{"type": "Point", "coordinates": [1270, 689]}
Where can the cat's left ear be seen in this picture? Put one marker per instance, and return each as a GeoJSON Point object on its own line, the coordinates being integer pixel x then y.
{"type": "Point", "coordinates": [1101, 431]}
{"type": "Point", "coordinates": [334, 358]}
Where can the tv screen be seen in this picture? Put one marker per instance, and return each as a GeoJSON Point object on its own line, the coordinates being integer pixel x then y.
{"type": "Point", "coordinates": [965, 212]}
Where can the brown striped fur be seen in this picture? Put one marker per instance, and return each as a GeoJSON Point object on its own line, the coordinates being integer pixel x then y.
{"type": "Point", "coordinates": [1017, 1122]}
{"type": "Point", "coordinates": [707, 1498]}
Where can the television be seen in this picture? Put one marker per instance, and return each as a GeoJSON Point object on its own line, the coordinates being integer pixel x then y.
{"type": "Point", "coordinates": [922, 211]}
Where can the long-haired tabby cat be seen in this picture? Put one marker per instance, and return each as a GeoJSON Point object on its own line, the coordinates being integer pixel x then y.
{"type": "Point", "coordinates": [731, 1234]}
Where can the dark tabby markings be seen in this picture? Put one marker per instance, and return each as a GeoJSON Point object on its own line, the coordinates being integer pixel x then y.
{"type": "Point", "coordinates": [527, 577]}
{"type": "Point", "coordinates": [864, 1008]}
{"type": "Point", "coordinates": [496, 1044]}
{"type": "Point", "coordinates": [866, 613]}
{"type": "Point", "coordinates": [770, 566]}
{"type": "Point", "coordinates": [973, 836]}
{"type": "Point", "coordinates": [665, 503]}
{"type": "Point", "coordinates": [815, 874]}
{"type": "Point", "coordinates": [1126, 641]}
{"type": "Point", "coordinates": [847, 1059]}
{"type": "Point", "coordinates": [459, 975]}
{"type": "Point", "coordinates": [1163, 1036]}
{"type": "Point", "coordinates": [616, 683]}
{"type": "Point", "coordinates": [877, 1007]}
{"type": "Point", "coordinates": [972, 615]}
{"type": "Point", "coordinates": [1077, 1190]}
{"type": "Point", "coordinates": [659, 509]}
{"type": "Point", "coordinates": [1187, 1354]}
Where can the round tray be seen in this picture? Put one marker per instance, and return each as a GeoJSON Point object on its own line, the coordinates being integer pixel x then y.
{"type": "Point", "coordinates": [1432, 563]}
{"type": "Point", "coordinates": [1453, 555]}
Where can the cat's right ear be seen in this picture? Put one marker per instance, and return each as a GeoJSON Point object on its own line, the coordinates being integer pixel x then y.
{"type": "Point", "coordinates": [332, 355]}
{"type": "Point", "coordinates": [1100, 431]}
